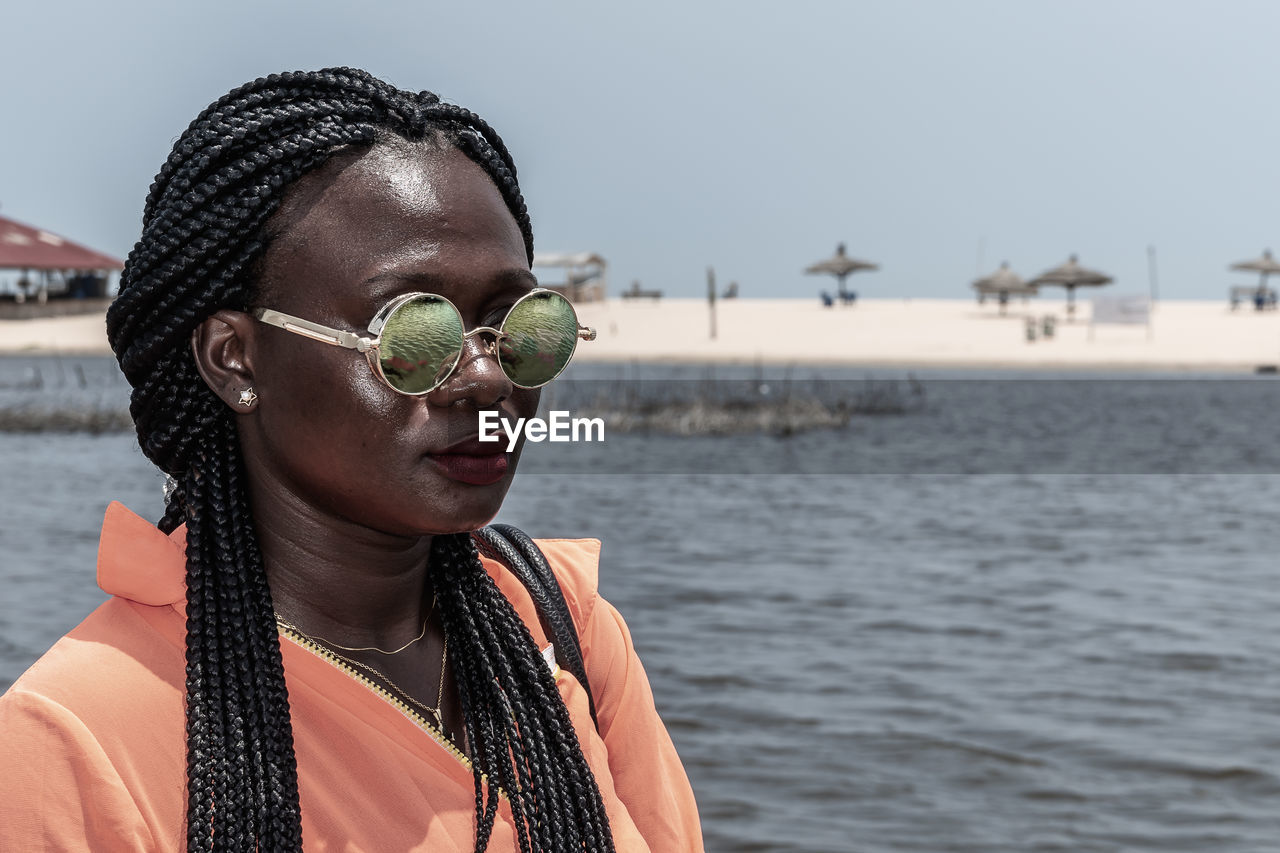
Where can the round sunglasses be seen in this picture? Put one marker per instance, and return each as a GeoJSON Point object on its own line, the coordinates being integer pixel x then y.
{"type": "Point", "coordinates": [417, 339]}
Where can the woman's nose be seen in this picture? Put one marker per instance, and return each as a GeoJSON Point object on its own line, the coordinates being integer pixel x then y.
{"type": "Point", "coordinates": [479, 376]}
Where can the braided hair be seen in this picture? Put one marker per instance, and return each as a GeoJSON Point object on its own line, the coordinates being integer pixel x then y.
{"type": "Point", "coordinates": [205, 229]}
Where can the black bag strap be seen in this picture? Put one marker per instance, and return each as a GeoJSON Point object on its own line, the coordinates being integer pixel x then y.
{"type": "Point", "coordinates": [526, 561]}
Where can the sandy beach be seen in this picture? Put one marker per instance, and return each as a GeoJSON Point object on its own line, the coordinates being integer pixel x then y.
{"type": "Point", "coordinates": [1184, 335]}
{"type": "Point", "coordinates": [81, 334]}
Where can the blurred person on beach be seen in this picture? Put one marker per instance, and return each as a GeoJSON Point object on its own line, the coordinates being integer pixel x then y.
{"type": "Point", "coordinates": [308, 649]}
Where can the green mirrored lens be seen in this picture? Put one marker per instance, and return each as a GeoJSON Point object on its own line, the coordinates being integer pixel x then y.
{"type": "Point", "coordinates": [542, 331]}
{"type": "Point", "coordinates": [421, 342]}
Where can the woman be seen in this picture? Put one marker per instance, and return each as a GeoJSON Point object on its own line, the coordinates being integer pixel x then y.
{"type": "Point", "coordinates": [309, 652]}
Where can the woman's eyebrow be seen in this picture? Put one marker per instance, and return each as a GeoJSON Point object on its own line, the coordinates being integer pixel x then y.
{"type": "Point", "coordinates": [521, 277]}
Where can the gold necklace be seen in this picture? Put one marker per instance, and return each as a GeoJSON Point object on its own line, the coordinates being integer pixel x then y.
{"type": "Point", "coordinates": [404, 694]}
{"type": "Point", "coordinates": [331, 644]}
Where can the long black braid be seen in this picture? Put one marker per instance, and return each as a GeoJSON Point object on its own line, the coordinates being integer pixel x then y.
{"type": "Point", "coordinates": [205, 229]}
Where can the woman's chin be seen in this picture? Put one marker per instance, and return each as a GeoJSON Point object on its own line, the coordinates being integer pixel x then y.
{"type": "Point", "coordinates": [465, 507]}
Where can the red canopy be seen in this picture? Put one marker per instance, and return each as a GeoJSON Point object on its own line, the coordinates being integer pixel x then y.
{"type": "Point", "coordinates": [25, 248]}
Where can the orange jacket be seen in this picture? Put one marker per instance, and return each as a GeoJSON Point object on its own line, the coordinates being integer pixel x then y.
{"type": "Point", "coordinates": [93, 756]}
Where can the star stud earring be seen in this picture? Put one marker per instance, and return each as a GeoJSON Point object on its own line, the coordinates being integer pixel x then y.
{"type": "Point", "coordinates": [247, 397]}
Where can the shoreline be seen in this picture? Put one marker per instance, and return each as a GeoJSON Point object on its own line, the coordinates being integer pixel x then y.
{"type": "Point", "coordinates": [1184, 336]}
{"type": "Point", "coordinates": [948, 364]}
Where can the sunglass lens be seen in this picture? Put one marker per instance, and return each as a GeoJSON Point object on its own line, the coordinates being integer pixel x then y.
{"type": "Point", "coordinates": [541, 334]}
{"type": "Point", "coordinates": [421, 343]}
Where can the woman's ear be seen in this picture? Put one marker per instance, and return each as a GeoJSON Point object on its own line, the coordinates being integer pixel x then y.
{"type": "Point", "coordinates": [223, 349]}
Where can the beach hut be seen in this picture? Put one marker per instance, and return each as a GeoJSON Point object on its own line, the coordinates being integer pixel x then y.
{"type": "Point", "coordinates": [1265, 266]}
{"type": "Point", "coordinates": [63, 266]}
{"type": "Point", "coordinates": [584, 274]}
{"type": "Point", "coordinates": [1071, 275]}
{"type": "Point", "coordinates": [1002, 284]}
{"type": "Point", "coordinates": [841, 266]}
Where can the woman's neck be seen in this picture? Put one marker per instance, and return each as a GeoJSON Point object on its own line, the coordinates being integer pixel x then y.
{"type": "Point", "coordinates": [335, 578]}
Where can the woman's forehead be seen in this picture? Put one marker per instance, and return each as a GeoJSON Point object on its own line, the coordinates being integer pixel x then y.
{"type": "Point", "coordinates": [410, 177]}
{"type": "Point", "coordinates": [406, 206]}
{"type": "Point", "coordinates": [397, 172]}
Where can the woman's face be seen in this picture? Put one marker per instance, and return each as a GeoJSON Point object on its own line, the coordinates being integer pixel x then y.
{"type": "Point", "coordinates": [326, 432]}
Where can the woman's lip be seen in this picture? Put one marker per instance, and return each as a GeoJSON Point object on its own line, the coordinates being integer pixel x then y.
{"type": "Point", "coordinates": [472, 468]}
{"type": "Point", "coordinates": [475, 447]}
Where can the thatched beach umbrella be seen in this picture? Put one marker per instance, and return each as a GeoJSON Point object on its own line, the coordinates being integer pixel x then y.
{"type": "Point", "coordinates": [841, 266]}
{"type": "Point", "coordinates": [1071, 275]}
{"type": "Point", "coordinates": [1265, 265]}
{"type": "Point", "coordinates": [1002, 284]}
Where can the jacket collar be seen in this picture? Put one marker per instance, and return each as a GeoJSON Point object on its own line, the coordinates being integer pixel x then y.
{"type": "Point", "coordinates": [138, 562]}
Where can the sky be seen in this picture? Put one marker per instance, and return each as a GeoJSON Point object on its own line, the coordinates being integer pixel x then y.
{"type": "Point", "coordinates": [935, 138]}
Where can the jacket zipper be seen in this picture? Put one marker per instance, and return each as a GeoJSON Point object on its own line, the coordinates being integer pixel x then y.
{"type": "Point", "coordinates": [432, 732]}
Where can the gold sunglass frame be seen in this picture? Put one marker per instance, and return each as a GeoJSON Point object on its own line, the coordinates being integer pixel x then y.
{"type": "Point", "coordinates": [370, 344]}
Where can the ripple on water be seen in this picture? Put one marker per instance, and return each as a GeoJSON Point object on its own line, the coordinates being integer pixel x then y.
{"type": "Point", "coordinates": [903, 661]}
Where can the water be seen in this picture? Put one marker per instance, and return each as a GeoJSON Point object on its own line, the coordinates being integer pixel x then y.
{"type": "Point", "coordinates": [1030, 652]}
